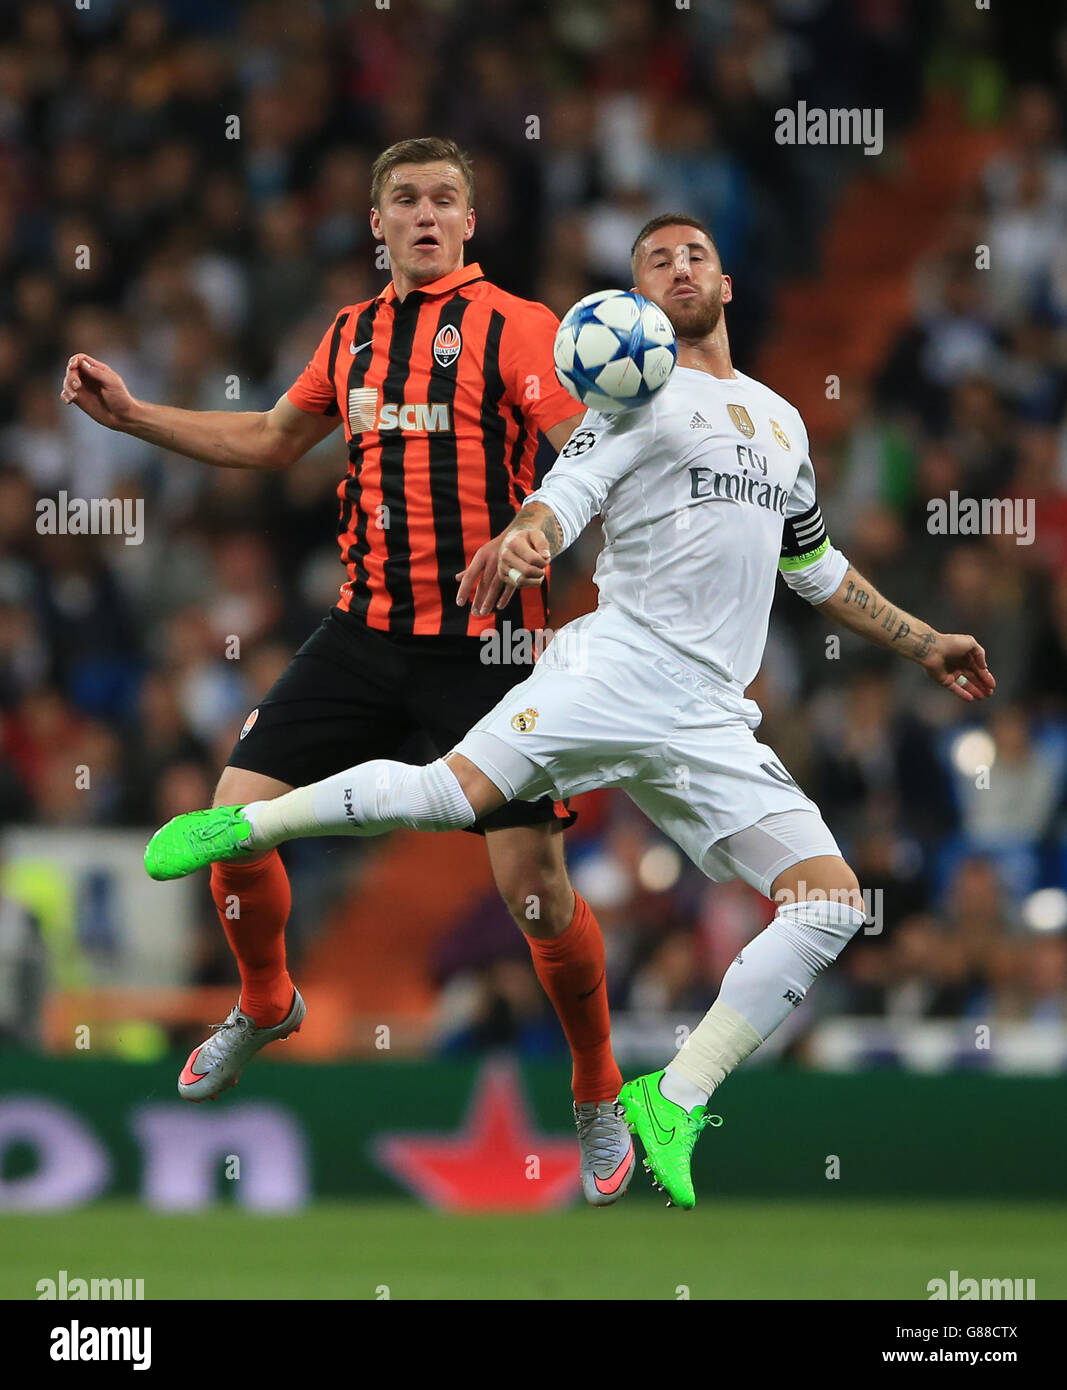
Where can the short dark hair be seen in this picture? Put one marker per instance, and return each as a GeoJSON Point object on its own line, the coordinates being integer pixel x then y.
{"type": "Point", "coordinates": [428, 150]}
{"type": "Point", "coordinates": [666, 219]}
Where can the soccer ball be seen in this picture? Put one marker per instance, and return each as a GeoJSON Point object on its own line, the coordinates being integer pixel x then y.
{"type": "Point", "coordinates": [614, 350]}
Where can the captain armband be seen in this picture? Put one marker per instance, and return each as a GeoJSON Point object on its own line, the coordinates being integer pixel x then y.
{"type": "Point", "coordinates": [809, 563]}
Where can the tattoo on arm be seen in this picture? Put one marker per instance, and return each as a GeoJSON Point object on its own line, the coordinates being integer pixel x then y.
{"type": "Point", "coordinates": [896, 624]}
{"type": "Point", "coordinates": [553, 532]}
{"type": "Point", "coordinates": [891, 616]}
{"type": "Point", "coordinates": [859, 597]}
{"type": "Point", "coordinates": [538, 517]}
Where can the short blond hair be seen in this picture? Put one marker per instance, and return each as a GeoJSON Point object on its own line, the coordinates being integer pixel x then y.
{"type": "Point", "coordinates": [427, 150]}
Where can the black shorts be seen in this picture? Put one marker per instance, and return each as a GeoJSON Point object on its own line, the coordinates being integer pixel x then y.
{"type": "Point", "coordinates": [352, 693]}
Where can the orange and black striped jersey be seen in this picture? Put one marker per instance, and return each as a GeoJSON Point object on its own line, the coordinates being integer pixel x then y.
{"type": "Point", "coordinates": [442, 396]}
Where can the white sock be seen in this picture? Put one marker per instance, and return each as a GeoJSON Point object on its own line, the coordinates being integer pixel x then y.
{"type": "Point", "coordinates": [769, 978]}
{"type": "Point", "coordinates": [681, 1090]}
{"type": "Point", "coordinates": [366, 800]}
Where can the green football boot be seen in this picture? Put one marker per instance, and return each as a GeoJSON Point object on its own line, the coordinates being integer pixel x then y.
{"type": "Point", "coordinates": [668, 1133]}
{"type": "Point", "coordinates": [199, 838]}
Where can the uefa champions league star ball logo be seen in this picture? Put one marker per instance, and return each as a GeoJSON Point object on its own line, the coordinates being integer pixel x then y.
{"type": "Point", "coordinates": [578, 444]}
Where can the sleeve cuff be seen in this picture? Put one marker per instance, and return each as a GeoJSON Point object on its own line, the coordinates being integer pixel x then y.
{"type": "Point", "coordinates": [815, 577]}
{"type": "Point", "coordinates": [569, 523]}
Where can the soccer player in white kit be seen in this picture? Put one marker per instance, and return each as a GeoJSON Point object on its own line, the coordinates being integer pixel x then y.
{"type": "Point", "coordinates": [706, 494]}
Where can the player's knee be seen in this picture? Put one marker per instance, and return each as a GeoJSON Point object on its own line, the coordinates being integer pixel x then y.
{"type": "Point", "coordinates": [840, 886]}
{"type": "Point", "coordinates": [540, 901]}
{"type": "Point", "coordinates": [531, 877]}
{"type": "Point", "coordinates": [847, 887]}
{"type": "Point", "coordinates": [237, 787]}
{"type": "Point", "coordinates": [827, 878]}
{"type": "Point", "coordinates": [820, 908]}
{"type": "Point", "coordinates": [535, 908]}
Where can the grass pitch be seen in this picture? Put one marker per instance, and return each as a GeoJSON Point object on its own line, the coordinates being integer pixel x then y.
{"type": "Point", "coordinates": [735, 1249]}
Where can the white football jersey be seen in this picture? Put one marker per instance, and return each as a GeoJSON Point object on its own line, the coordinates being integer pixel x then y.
{"type": "Point", "coordinates": [705, 493]}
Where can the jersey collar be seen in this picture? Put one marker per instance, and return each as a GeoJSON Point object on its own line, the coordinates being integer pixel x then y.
{"type": "Point", "coordinates": [463, 276]}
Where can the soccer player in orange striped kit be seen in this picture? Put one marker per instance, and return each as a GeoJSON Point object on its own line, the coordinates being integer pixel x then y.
{"type": "Point", "coordinates": [442, 383]}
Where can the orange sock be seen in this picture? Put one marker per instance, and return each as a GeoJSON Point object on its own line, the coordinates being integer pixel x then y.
{"type": "Point", "coordinates": [253, 902]}
{"type": "Point", "coordinates": [571, 970]}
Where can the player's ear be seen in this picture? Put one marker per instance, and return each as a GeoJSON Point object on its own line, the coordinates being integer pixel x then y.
{"type": "Point", "coordinates": [376, 224]}
{"type": "Point", "coordinates": [727, 289]}
{"type": "Point", "coordinates": [469, 229]}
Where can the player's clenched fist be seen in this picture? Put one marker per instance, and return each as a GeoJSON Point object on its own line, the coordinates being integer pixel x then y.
{"type": "Point", "coordinates": [524, 556]}
{"type": "Point", "coordinates": [99, 391]}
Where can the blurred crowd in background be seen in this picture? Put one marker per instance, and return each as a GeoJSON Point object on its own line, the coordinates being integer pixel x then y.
{"type": "Point", "coordinates": [219, 252]}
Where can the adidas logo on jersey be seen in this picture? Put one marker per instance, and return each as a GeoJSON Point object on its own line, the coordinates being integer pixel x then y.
{"type": "Point", "coordinates": [699, 423]}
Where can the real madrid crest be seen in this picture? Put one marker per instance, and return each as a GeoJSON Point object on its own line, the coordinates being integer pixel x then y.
{"type": "Point", "coordinates": [524, 721]}
{"type": "Point", "coordinates": [780, 434]}
{"type": "Point", "coordinates": [742, 420]}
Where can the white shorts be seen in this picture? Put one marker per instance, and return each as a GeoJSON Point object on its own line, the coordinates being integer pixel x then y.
{"type": "Point", "coordinates": [610, 704]}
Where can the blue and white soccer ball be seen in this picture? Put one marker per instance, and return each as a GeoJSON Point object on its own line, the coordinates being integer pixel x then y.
{"type": "Point", "coordinates": [614, 350]}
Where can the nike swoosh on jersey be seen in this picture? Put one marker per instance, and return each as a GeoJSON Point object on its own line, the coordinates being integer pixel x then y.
{"type": "Point", "coordinates": [353, 349]}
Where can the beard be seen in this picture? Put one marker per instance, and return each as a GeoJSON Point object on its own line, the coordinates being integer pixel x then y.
{"type": "Point", "coordinates": [696, 317]}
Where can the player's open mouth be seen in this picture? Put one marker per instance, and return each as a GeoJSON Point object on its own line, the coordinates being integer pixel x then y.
{"type": "Point", "coordinates": [427, 243]}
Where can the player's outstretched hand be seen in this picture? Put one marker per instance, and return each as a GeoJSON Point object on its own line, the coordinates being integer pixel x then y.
{"type": "Point", "coordinates": [516, 559]}
{"type": "Point", "coordinates": [958, 663]}
{"type": "Point", "coordinates": [481, 579]}
{"type": "Point", "coordinates": [99, 391]}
